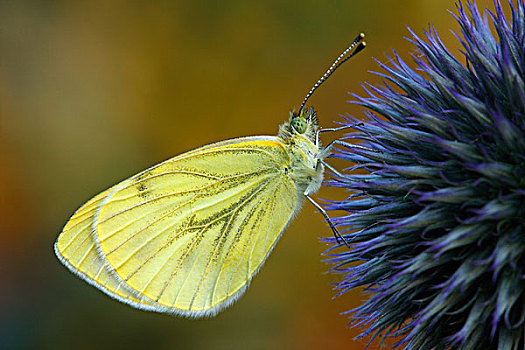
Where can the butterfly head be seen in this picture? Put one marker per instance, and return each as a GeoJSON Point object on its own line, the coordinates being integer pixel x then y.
{"type": "Point", "coordinates": [303, 123]}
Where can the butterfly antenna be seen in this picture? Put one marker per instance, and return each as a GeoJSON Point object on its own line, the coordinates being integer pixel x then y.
{"type": "Point", "coordinates": [357, 46]}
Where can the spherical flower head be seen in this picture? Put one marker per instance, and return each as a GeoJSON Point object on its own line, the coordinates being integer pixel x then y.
{"type": "Point", "coordinates": [436, 219]}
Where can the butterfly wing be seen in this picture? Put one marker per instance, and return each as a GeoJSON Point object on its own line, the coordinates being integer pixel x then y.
{"type": "Point", "coordinates": [76, 248]}
{"type": "Point", "coordinates": [187, 235]}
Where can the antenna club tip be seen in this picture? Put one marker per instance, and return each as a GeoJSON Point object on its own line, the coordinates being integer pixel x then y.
{"type": "Point", "coordinates": [359, 48]}
{"type": "Point", "coordinates": [357, 45]}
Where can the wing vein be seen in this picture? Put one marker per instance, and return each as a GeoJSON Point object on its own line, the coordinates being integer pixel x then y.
{"type": "Point", "coordinates": [164, 264]}
{"type": "Point", "coordinates": [169, 242]}
{"type": "Point", "coordinates": [192, 244]}
{"type": "Point", "coordinates": [245, 249]}
{"type": "Point", "coordinates": [149, 201]}
{"type": "Point", "coordinates": [223, 149]}
{"type": "Point", "coordinates": [171, 172]}
{"type": "Point", "coordinates": [148, 225]}
{"type": "Point", "coordinates": [233, 246]}
{"type": "Point", "coordinates": [214, 253]}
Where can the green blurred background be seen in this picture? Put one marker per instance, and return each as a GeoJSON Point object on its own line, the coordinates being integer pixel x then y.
{"type": "Point", "coordinates": [93, 92]}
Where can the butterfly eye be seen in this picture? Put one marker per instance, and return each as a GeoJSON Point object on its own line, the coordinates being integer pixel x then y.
{"type": "Point", "coordinates": [299, 124]}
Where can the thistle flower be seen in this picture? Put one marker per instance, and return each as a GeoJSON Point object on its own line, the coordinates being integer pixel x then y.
{"type": "Point", "coordinates": [436, 221]}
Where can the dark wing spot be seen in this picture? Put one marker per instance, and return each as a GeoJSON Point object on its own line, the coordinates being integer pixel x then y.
{"type": "Point", "coordinates": [143, 190]}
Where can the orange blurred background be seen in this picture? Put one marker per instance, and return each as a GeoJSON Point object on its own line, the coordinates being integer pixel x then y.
{"type": "Point", "coordinates": [93, 92]}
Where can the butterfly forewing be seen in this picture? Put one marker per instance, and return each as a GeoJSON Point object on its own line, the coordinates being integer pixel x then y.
{"type": "Point", "coordinates": [190, 233]}
{"type": "Point", "coordinates": [76, 248]}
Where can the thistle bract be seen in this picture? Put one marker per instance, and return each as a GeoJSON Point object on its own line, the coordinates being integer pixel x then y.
{"type": "Point", "coordinates": [436, 219]}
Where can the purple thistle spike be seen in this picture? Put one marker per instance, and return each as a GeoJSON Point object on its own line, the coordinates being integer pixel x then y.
{"type": "Point", "coordinates": [436, 222]}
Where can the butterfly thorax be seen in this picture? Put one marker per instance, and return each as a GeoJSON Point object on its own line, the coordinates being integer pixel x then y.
{"type": "Point", "coordinates": [299, 137]}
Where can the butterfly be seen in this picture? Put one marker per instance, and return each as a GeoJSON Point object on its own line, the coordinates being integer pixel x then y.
{"type": "Point", "coordinates": [186, 236]}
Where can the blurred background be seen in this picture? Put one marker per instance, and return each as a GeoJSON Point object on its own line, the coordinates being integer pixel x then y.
{"type": "Point", "coordinates": [93, 92]}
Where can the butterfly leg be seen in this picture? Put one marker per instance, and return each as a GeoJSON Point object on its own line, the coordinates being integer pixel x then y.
{"type": "Point", "coordinates": [326, 151]}
{"type": "Point", "coordinates": [334, 170]}
{"type": "Point", "coordinates": [337, 235]}
{"type": "Point", "coordinates": [328, 148]}
{"type": "Point", "coordinates": [334, 129]}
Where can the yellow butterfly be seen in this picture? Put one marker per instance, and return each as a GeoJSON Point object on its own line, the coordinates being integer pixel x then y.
{"type": "Point", "coordinates": [186, 236]}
